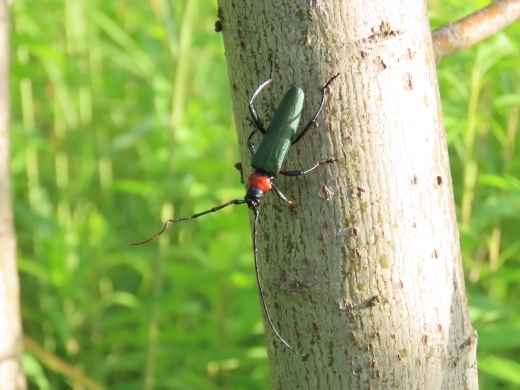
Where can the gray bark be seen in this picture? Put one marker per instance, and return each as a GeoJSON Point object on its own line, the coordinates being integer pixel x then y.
{"type": "Point", "coordinates": [11, 372]}
{"type": "Point", "coordinates": [364, 274]}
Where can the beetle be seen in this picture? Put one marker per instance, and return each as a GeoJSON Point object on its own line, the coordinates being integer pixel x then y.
{"type": "Point", "coordinates": [267, 163]}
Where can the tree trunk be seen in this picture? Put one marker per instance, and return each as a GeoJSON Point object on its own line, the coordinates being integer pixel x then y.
{"type": "Point", "coordinates": [364, 273]}
{"type": "Point", "coordinates": [11, 373]}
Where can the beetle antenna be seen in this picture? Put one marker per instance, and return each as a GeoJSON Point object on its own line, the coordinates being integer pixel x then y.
{"type": "Point", "coordinates": [170, 221]}
{"type": "Point", "coordinates": [257, 270]}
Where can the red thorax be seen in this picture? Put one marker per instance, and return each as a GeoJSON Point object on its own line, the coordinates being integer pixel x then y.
{"type": "Point", "coordinates": [260, 182]}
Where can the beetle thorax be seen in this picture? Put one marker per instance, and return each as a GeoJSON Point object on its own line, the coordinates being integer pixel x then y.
{"type": "Point", "coordinates": [260, 181]}
{"type": "Point", "coordinates": [259, 184]}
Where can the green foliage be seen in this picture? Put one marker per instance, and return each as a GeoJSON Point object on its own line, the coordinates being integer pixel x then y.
{"type": "Point", "coordinates": [116, 125]}
{"type": "Point", "coordinates": [122, 118]}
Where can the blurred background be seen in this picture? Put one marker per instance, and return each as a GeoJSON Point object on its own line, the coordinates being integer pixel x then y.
{"type": "Point", "coordinates": [121, 118]}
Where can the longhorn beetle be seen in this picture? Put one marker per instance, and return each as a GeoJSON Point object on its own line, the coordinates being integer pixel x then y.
{"type": "Point", "coordinates": [267, 162]}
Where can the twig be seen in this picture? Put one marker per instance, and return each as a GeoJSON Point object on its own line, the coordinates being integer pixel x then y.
{"type": "Point", "coordinates": [454, 37]}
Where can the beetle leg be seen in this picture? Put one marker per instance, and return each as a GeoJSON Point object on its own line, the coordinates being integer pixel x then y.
{"type": "Point", "coordinates": [249, 143]}
{"type": "Point", "coordinates": [314, 166]}
{"type": "Point", "coordinates": [252, 109]}
{"type": "Point", "coordinates": [238, 166]}
{"type": "Point", "coordinates": [313, 119]}
{"type": "Point", "coordinates": [280, 194]}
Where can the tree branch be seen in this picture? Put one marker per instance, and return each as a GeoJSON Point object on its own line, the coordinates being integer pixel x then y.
{"type": "Point", "coordinates": [454, 37]}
